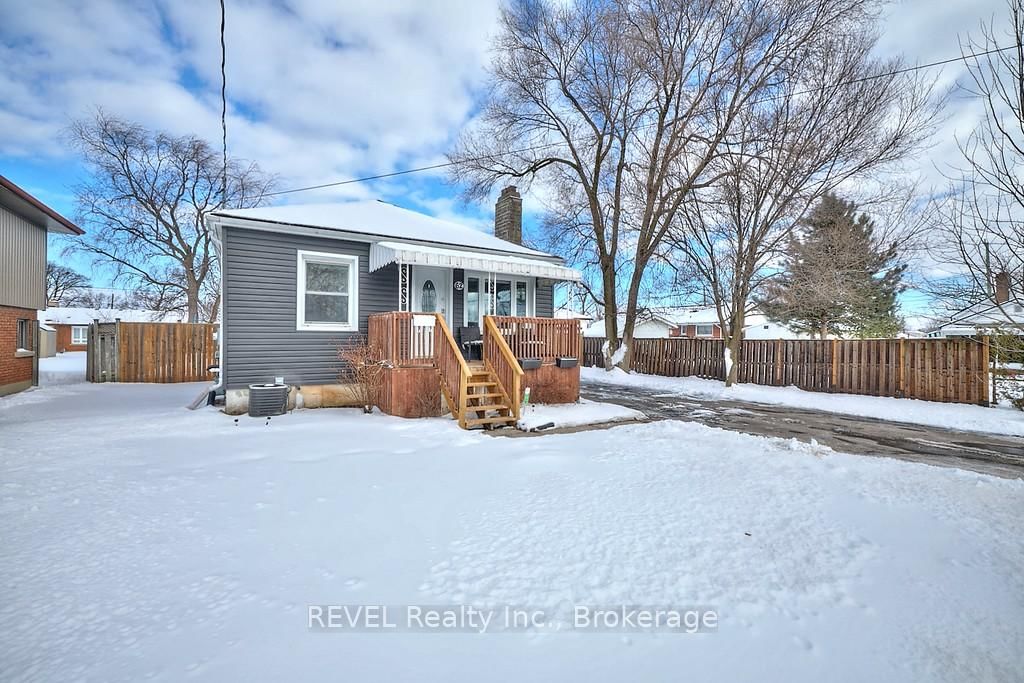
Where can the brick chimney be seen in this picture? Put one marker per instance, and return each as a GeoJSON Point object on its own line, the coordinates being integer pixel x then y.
{"type": "Point", "coordinates": [1002, 293]}
{"type": "Point", "coordinates": [508, 216]}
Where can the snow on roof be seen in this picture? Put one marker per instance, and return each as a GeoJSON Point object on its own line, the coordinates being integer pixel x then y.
{"type": "Point", "coordinates": [688, 315]}
{"type": "Point", "coordinates": [84, 316]}
{"type": "Point", "coordinates": [379, 219]}
{"type": "Point", "coordinates": [567, 314]}
{"type": "Point", "coordinates": [596, 328]}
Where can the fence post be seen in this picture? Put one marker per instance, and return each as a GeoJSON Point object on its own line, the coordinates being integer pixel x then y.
{"type": "Point", "coordinates": [835, 365]}
{"type": "Point", "coordinates": [116, 365]}
{"type": "Point", "coordinates": [902, 376]}
{"type": "Point", "coordinates": [97, 361]}
{"type": "Point", "coordinates": [987, 372]}
{"type": "Point", "coordinates": [778, 363]}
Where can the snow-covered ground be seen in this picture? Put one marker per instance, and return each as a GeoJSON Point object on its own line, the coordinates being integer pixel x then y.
{"type": "Point", "coordinates": [65, 368]}
{"type": "Point", "coordinates": [995, 420]}
{"type": "Point", "coordinates": [143, 541]}
{"type": "Point", "coordinates": [575, 414]}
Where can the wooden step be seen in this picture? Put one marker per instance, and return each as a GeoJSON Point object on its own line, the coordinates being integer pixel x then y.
{"type": "Point", "coordinates": [485, 408]}
{"type": "Point", "coordinates": [486, 394]}
{"type": "Point", "coordinates": [474, 421]}
{"type": "Point", "coordinates": [488, 383]}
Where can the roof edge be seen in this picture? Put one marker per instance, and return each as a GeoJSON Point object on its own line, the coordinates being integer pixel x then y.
{"type": "Point", "coordinates": [39, 206]}
{"type": "Point", "coordinates": [227, 220]}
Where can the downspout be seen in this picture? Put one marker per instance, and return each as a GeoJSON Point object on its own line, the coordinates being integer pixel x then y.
{"type": "Point", "coordinates": [215, 233]}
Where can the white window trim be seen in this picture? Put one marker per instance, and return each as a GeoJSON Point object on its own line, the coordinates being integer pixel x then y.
{"type": "Point", "coordinates": [85, 335]}
{"type": "Point", "coordinates": [300, 291]}
{"type": "Point", "coordinates": [696, 330]}
{"type": "Point", "coordinates": [531, 293]}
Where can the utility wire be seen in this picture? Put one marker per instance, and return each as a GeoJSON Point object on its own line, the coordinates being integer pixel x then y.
{"type": "Point", "coordinates": [223, 109]}
{"type": "Point", "coordinates": [534, 148]}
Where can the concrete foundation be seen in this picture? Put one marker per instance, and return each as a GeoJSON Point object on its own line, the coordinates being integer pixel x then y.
{"type": "Point", "coordinates": [236, 401]}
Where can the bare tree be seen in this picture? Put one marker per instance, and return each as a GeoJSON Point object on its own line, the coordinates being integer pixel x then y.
{"type": "Point", "coordinates": [62, 283]}
{"type": "Point", "coordinates": [145, 204]}
{"type": "Point", "coordinates": [622, 107]}
{"type": "Point", "coordinates": [980, 226]}
{"type": "Point", "coordinates": [843, 117]}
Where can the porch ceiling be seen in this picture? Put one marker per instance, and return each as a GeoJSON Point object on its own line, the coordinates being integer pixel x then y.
{"type": "Point", "coordinates": [384, 253]}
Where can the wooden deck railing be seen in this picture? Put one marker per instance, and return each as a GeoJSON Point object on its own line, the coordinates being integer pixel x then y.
{"type": "Point", "coordinates": [499, 359]}
{"type": "Point", "coordinates": [453, 369]}
{"type": "Point", "coordinates": [405, 340]}
{"type": "Point", "coordinates": [543, 338]}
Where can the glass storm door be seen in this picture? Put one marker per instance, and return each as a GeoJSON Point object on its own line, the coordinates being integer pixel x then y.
{"type": "Point", "coordinates": [431, 290]}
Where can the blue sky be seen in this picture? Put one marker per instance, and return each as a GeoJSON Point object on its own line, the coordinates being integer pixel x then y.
{"type": "Point", "coordinates": [319, 90]}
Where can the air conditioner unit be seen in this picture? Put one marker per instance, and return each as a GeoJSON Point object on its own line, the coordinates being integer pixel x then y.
{"type": "Point", "coordinates": [267, 399]}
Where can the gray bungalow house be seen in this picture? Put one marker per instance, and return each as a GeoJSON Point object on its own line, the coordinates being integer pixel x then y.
{"type": "Point", "coordinates": [299, 280]}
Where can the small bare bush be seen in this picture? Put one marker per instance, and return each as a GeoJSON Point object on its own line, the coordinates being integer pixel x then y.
{"type": "Point", "coordinates": [363, 370]}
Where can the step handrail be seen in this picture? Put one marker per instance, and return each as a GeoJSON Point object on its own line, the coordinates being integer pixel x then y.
{"type": "Point", "coordinates": [503, 365]}
{"type": "Point", "coordinates": [447, 354]}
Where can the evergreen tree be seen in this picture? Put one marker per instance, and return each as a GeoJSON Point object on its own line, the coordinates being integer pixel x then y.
{"type": "Point", "coordinates": [837, 277]}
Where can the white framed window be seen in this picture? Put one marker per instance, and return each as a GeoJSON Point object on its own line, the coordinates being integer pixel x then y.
{"type": "Point", "coordinates": [79, 334]}
{"type": "Point", "coordinates": [705, 330]}
{"type": "Point", "coordinates": [327, 292]}
{"type": "Point", "coordinates": [23, 342]}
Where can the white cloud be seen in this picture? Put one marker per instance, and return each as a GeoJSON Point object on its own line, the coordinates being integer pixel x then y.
{"type": "Point", "coordinates": [322, 90]}
{"type": "Point", "coordinates": [318, 91]}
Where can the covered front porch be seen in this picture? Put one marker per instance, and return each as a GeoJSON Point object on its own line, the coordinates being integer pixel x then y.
{"type": "Point", "coordinates": [519, 357]}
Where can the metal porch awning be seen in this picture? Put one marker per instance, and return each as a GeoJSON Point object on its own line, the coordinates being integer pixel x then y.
{"type": "Point", "coordinates": [384, 253]}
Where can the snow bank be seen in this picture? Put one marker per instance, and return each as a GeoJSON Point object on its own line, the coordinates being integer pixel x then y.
{"type": "Point", "coordinates": [145, 541]}
{"type": "Point", "coordinates": [575, 414]}
{"type": "Point", "coordinates": [997, 420]}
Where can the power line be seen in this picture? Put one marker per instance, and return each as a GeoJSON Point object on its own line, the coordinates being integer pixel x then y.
{"type": "Point", "coordinates": [534, 148]}
{"type": "Point", "coordinates": [223, 108]}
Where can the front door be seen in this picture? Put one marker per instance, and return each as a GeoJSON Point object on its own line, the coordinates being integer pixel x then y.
{"type": "Point", "coordinates": [432, 291]}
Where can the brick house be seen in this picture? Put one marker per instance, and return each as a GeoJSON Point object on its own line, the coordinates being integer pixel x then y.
{"type": "Point", "coordinates": [71, 324]}
{"type": "Point", "coordinates": [695, 323]}
{"type": "Point", "coordinates": [24, 224]}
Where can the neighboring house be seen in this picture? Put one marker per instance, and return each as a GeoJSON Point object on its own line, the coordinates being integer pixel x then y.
{"type": "Point", "coordinates": [72, 323]}
{"type": "Point", "coordinates": [569, 314]}
{"type": "Point", "coordinates": [299, 280]}
{"type": "Point", "coordinates": [701, 322]}
{"type": "Point", "coordinates": [1004, 312]}
{"type": "Point", "coordinates": [648, 326]}
{"type": "Point", "coordinates": [24, 224]}
{"type": "Point", "coordinates": [760, 327]}
{"type": "Point", "coordinates": [695, 322]}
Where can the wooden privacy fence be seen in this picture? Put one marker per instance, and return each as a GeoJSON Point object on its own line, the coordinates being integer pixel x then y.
{"type": "Point", "coordinates": [150, 352]}
{"type": "Point", "coordinates": [949, 370]}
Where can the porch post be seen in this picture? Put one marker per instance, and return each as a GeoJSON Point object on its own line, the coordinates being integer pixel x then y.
{"type": "Point", "coordinates": [403, 286]}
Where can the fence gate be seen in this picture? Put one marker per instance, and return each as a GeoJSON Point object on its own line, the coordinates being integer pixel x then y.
{"type": "Point", "coordinates": [150, 352]}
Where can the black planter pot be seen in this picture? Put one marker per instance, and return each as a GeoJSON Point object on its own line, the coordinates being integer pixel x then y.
{"type": "Point", "coordinates": [567, 361]}
{"type": "Point", "coordinates": [529, 363]}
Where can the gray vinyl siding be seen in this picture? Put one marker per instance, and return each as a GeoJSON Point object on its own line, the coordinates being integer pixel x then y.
{"type": "Point", "coordinates": [260, 340]}
{"type": "Point", "coordinates": [259, 315]}
{"type": "Point", "coordinates": [22, 262]}
{"type": "Point", "coordinates": [544, 304]}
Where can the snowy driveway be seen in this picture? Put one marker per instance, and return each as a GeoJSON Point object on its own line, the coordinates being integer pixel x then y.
{"type": "Point", "coordinates": [995, 454]}
{"type": "Point", "coordinates": [142, 541]}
